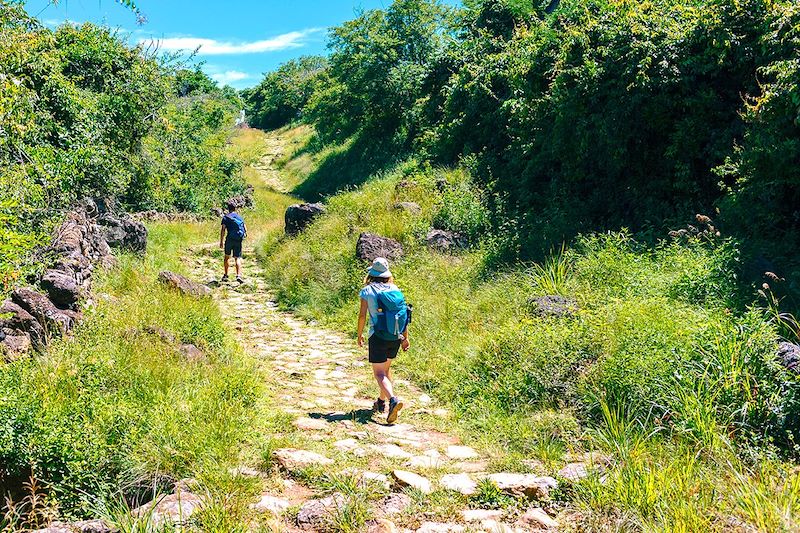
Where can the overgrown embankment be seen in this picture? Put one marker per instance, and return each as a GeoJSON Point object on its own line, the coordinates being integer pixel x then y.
{"type": "Point", "coordinates": [84, 114]}
{"type": "Point", "coordinates": [645, 352]}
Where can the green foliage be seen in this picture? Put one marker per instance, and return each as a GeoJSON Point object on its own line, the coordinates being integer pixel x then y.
{"type": "Point", "coordinates": [83, 114]}
{"type": "Point", "coordinates": [604, 114]}
{"type": "Point", "coordinates": [283, 94]}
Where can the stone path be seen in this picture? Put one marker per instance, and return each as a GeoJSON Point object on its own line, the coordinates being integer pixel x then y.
{"type": "Point", "coordinates": [334, 464]}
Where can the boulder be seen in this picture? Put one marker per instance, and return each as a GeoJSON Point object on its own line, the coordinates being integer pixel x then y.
{"type": "Point", "coordinates": [408, 207]}
{"type": "Point", "coordinates": [552, 305]}
{"type": "Point", "coordinates": [528, 485]}
{"type": "Point", "coordinates": [316, 514]}
{"type": "Point", "coordinates": [20, 322]}
{"type": "Point", "coordinates": [371, 246]}
{"type": "Point", "coordinates": [123, 232]}
{"type": "Point", "coordinates": [62, 288]}
{"type": "Point", "coordinates": [183, 284]}
{"type": "Point", "coordinates": [299, 216]}
{"type": "Point", "coordinates": [403, 478]}
{"type": "Point", "coordinates": [445, 241]}
{"type": "Point", "coordinates": [789, 356]}
{"type": "Point", "coordinates": [54, 320]}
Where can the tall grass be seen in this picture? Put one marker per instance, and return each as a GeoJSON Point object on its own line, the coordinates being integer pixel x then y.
{"type": "Point", "coordinates": [660, 366]}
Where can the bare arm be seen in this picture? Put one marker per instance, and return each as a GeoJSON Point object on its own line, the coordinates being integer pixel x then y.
{"type": "Point", "coordinates": [362, 321]}
{"type": "Point", "coordinates": [221, 235]}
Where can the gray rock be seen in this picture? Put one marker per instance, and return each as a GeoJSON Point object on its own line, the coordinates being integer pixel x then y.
{"type": "Point", "coordinates": [54, 320]}
{"type": "Point", "coordinates": [299, 216]}
{"type": "Point", "coordinates": [404, 478]}
{"type": "Point", "coordinates": [445, 241]}
{"type": "Point", "coordinates": [270, 504]}
{"type": "Point", "coordinates": [789, 356]}
{"type": "Point", "coordinates": [183, 284]}
{"type": "Point", "coordinates": [552, 305]}
{"type": "Point", "coordinates": [371, 246]}
{"type": "Point", "coordinates": [123, 232]}
{"type": "Point", "coordinates": [62, 289]}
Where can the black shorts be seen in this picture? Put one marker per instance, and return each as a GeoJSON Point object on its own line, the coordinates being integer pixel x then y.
{"type": "Point", "coordinates": [233, 247]}
{"type": "Point", "coordinates": [381, 350]}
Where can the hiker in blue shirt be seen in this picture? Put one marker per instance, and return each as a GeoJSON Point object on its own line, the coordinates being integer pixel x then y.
{"type": "Point", "coordinates": [233, 225]}
{"type": "Point", "coordinates": [389, 316]}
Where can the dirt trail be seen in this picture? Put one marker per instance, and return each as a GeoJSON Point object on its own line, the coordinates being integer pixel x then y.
{"type": "Point", "coordinates": [324, 383]}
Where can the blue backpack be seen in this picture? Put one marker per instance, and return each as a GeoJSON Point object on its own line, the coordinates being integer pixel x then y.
{"type": "Point", "coordinates": [394, 315]}
{"type": "Point", "coordinates": [235, 226]}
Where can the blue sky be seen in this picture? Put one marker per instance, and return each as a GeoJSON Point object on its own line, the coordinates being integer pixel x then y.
{"type": "Point", "coordinates": [239, 40]}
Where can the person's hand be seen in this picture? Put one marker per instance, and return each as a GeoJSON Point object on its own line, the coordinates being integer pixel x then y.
{"type": "Point", "coordinates": [221, 245]}
{"type": "Point", "coordinates": [405, 345]}
{"type": "Point", "coordinates": [361, 341]}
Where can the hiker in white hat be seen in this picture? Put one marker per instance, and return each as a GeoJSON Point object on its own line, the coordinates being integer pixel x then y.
{"type": "Point", "coordinates": [389, 316]}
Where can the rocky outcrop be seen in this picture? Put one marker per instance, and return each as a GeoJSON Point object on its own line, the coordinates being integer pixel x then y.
{"type": "Point", "coordinates": [552, 305]}
{"type": "Point", "coordinates": [299, 216]}
{"type": "Point", "coordinates": [445, 241]}
{"type": "Point", "coordinates": [183, 284]}
{"type": "Point", "coordinates": [371, 246]}
{"type": "Point", "coordinates": [81, 243]}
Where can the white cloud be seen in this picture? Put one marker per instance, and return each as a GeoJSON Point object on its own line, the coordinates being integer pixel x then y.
{"type": "Point", "coordinates": [230, 76]}
{"type": "Point", "coordinates": [212, 47]}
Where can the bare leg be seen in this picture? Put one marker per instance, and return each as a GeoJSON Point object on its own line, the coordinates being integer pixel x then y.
{"type": "Point", "coordinates": [227, 263]}
{"type": "Point", "coordinates": [238, 263]}
{"type": "Point", "coordinates": [381, 373]}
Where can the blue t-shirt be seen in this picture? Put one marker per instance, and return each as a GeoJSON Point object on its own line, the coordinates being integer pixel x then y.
{"type": "Point", "coordinates": [231, 227]}
{"type": "Point", "coordinates": [370, 295]}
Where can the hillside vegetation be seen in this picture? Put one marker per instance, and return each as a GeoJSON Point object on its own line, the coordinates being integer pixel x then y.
{"type": "Point", "coordinates": [584, 139]}
{"type": "Point", "coordinates": [83, 114]}
{"type": "Point", "coordinates": [600, 115]}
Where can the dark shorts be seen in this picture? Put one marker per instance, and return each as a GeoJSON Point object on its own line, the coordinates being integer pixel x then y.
{"type": "Point", "coordinates": [381, 350]}
{"type": "Point", "coordinates": [233, 247]}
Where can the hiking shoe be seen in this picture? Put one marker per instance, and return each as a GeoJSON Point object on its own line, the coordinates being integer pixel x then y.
{"type": "Point", "coordinates": [224, 278]}
{"type": "Point", "coordinates": [239, 279]}
{"type": "Point", "coordinates": [395, 404]}
{"type": "Point", "coordinates": [379, 406]}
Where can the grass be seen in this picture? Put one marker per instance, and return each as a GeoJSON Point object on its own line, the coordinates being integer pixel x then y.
{"type": "Point", "coordinates": [110, 417]}
{"type": "Point", "coordinates": [663, 366]}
